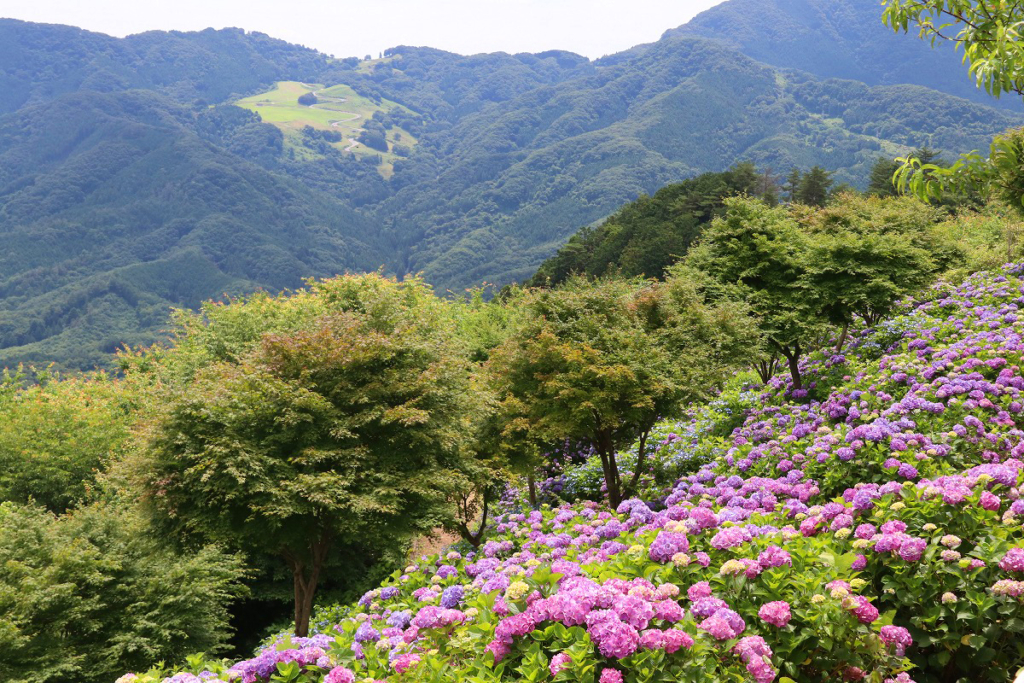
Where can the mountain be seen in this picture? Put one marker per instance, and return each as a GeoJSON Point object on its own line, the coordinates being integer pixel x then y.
{"type": "Point", "coordinates": [39, 62]}
{"type": "Point", "coordinates": [112, 210]}
{"type": "Point", "coordinates": [130, 181]}
{"type": "Point", "coordinates": [832, 39]}
{"type": "Point", "coordinates": [501, 189]}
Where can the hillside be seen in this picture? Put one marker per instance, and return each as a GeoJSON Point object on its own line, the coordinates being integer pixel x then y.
{"type": "Point", "coordinates": [39, 62]}
{"type": "Point", "coordinates": [112, 210]}
{"type": "Point", "coordinates": [836, 40]}
{"type": "Point", "coordinates": [506, 186]}
{"type": "Point", "coordinates": [868, 531]}
{"type": "Point", "coordinates": [467, 169]}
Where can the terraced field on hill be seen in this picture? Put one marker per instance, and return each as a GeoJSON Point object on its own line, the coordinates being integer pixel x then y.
{"type": "Point", "coordinates": [338, 108]}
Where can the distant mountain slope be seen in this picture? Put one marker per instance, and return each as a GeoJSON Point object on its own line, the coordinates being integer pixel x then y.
{"type": "Point", "coordinates": [39, 62]}
{"type": "Point", "coordinates": [112, 210]}
{"type": "Point", "coordinates": [123, 191]}
{"type": "Point", "coordinates": [504, 187]}
{"type": "Point", "coordinates": [833, 39]}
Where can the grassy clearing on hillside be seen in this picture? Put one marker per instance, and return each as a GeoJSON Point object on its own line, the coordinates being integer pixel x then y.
{"type": "Point", "coordinates": [338, 108]}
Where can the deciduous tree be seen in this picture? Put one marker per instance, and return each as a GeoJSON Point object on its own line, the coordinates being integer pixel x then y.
{"type": "Point", "coordinates": [341, 430]}
{"type": "Point", "coordinates": [602, 361]}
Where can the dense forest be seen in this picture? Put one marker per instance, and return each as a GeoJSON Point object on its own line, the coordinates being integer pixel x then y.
{"type": "Point", "coordinates": [513, 155]}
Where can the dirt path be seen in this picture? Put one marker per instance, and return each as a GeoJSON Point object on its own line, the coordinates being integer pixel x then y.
{"type": "Point", "coordinates": [352, 143]}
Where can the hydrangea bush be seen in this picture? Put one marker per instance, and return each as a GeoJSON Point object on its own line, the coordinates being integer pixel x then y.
{"type": "Point", "coordinates": [866, 527]}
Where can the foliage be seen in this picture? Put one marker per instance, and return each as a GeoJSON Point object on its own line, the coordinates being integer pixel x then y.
{"type": "Point", "coordinates": [999, 175]}
{"type": "Point", "coordinates": [342, 430]}
{"type": "Point", "coordinates": [55, 437]}
{"type": "Point", "coordinates": [87, 595]}
{"type": "Point", "coordinates": [602, 362]}
{"type": "Point", "coordinates": [646, 236]}
{"type": "Point", "coordinates": [760, 255]}
{"type": "Point", "coordinates": [124, 195]}
{"type": "Point", "coordinates": [865, 254]}
{"type": "Point", "coordinates": [871, 535]}
{"type": "Point", "coordinates": [814, 186]}
{"type": "Point", "coordinates": [988, 36]}
{"type": "Point", "coordinates": [801, 269]}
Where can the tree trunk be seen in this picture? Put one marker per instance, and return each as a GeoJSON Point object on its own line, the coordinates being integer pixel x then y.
{"type": "Point", "coordinates": [641, 456]}
{"type": "Point", "coordinates": [793, 360]}
{"type": "Point", "coordinates": [606, 448]}
{"type": "Point", "coordinates": [766, 368]}
{"type": "Point", "coordinates": [531, 484]}
{"type": "Point", "coordinates": [474, 539]}
{"type": "Point", "coordinates": [305, 585]}
{"type": "Point", "coordinates": [842, 337]}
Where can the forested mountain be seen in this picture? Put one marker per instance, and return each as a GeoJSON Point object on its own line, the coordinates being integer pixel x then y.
{"type": "Point", "coordinates": [39, 62]}
{"type": "Point", "coordinates": [836, 40]}
{"type": "Point", "coordinates": [129, 183]}
{"type": "Point", "coordinates": [500, 190]}
{"type": "Point", "coordinates": [112, 210]}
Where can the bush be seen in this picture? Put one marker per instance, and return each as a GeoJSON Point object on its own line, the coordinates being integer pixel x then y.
{"type": "Point", "coordinates": [86, 596]}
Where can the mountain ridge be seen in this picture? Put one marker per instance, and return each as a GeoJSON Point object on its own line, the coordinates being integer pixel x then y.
{"type": "Point", "coordinates": [129, 151]}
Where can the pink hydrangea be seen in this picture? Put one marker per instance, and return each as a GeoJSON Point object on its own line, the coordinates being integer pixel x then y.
{"type": "Point", "coordinates": [756, 654]}
{"type": "Point", "coordinates": [1013, 560]}
{"type": "Point", "coordinates": [652, 639]}
{"type": "Point", "coordinates": [865, 612]}
{"type": "Point", "coordinates": [340, 674]}
{"type": "Point", "coordinates": [611, 676]}
{"type": "Point", "coordinates": [701, 589]}
{"type": "Point", "coordinates": [499, 649]}
{"type": "Point", "coordinates": [558, 663]}
{"type": "Point", "coordinates": [405, 662]}
{"type": "Point", "coordinates": [989, 501]}
{"type": "Point", "coordinates": [896, 637]}
{"type": "Point", "coordinates": [677, 638]}
{"type": "Point", "coordinates": [774, 556]}
{"type": "Point", "coordinates": [775, 613]}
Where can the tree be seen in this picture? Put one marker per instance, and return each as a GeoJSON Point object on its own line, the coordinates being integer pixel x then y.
{"type": "Point", "coordinates": [814, 186]}
{"type": "Point", "coordinates": [865, 254]}
{"type": "Point", "coordinates": [989, 35]}
{"type": "Point", "coordinates": [57, 434]}
{"type": "Point", "coordinates": [792, 184]}
{"type": "Point", "coordinates": [758, 253]}
{"type": "Point", "coordinates": [85, 597]}
{"type": "Point", "coordinates": [880, 180]}
{"type": "Point", "coordinates": [601, 362]}
{"type": "Point", "coordinates": [308, 99]}
{"type": "Point", "coordinates": [341, 429]}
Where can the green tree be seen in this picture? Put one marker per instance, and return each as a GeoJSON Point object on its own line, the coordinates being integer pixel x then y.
{"type": "Point", "coordinates": [344, 429]}
{"type": "Point", "coordinates": [601, 362]}
{"type": "Point", "coordinates": [880, 179]}
{"type": "Point", "coordinates": [57, 435]}
{"type": "Point", "coordinates": [864, 254]}
{"type": "Point", "coordinates": [792, 184]}
{"type": "Point", "coordinates": [989, 35]}
{"type": "Point", "coordinates": [759, 254]}
{"type": "Point", "coordinates": [814, 186]}
{"type": "Point", "coordinates": [88, 596]}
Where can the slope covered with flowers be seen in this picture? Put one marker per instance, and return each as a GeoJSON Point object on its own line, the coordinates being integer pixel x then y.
{"type": "Point", "coordinates": [867, 530]}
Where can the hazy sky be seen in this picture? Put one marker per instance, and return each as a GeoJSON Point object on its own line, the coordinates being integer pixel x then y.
{"type": "Point", "coordinates": [359, 27]}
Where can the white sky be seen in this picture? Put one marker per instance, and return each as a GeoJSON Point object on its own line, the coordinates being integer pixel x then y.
{"type": "Point", "coordinates": [358, 27]}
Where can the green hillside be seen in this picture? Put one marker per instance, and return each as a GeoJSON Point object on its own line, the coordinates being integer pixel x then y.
{"type": "Point", "coordinates": [123, 162]}
{"type": "Point", "coordinates": [112, 210]}
{"type": "Point", "coordinates": [338, 109]}
{"type": "Point", "coordinates": [515, 181]}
